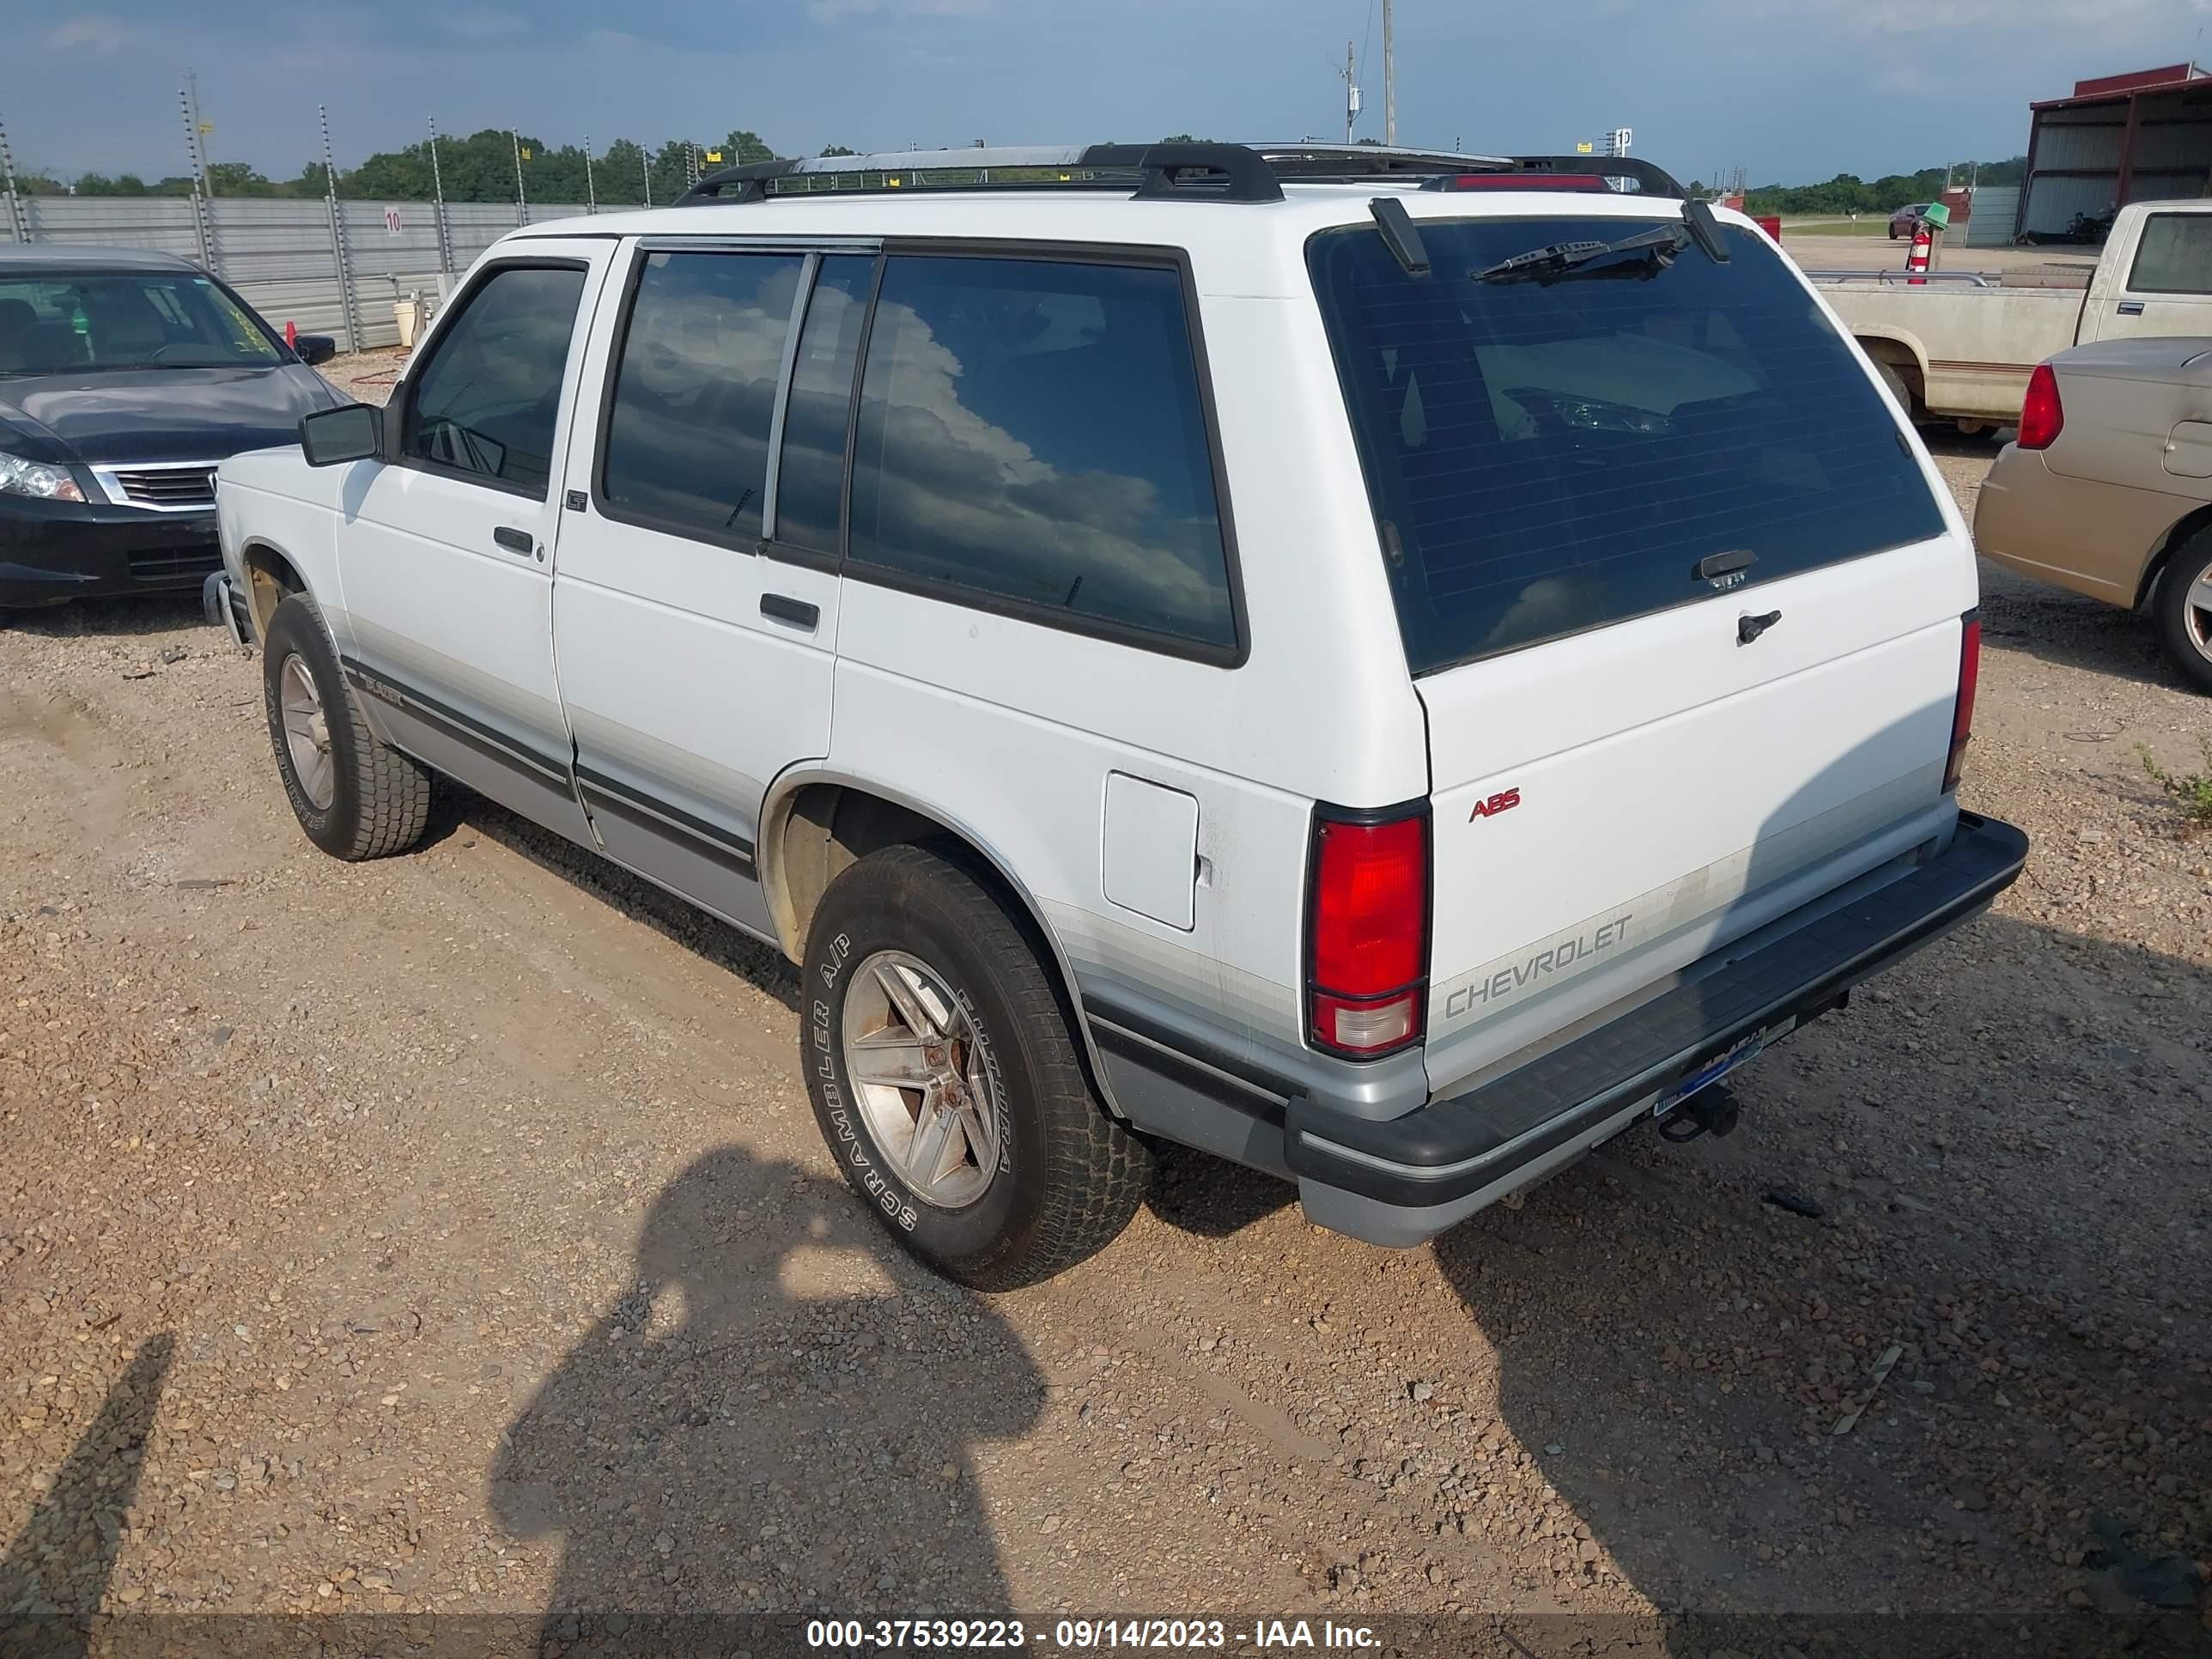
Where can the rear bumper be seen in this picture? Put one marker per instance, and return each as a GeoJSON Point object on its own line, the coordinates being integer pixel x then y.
{"type": "Point", "coordinates": [1399, 1181]}
{"type": "Point", "coordinates": [54, 550]}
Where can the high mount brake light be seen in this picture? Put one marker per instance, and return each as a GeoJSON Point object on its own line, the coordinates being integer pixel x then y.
{"type": "Point", "coordinates": [1367, 934]}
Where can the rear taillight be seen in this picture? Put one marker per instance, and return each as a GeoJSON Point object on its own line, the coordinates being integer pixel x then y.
{"type": "Point", "coordinates": [1367, 933]}
{"type": "Point", "coordinates": [1962, 711]}
{"type": "Point", "coordinates": [2042, 417]}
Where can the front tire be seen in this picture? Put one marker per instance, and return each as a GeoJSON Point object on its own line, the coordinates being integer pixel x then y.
{"type": "Point", "coordinates": [354, 796]}
{"type": "Point", "coordinates": [947, 1082]}
{"type": "Point", "coordinates": [2182, 610]}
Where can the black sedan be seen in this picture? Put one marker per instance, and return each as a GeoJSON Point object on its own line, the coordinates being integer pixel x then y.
{"type": "Point", "coordinates": [125, 378]}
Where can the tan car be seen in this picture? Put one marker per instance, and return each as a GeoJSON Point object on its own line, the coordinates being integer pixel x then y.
{"type": "Point", "coordinates": [2108, 489]}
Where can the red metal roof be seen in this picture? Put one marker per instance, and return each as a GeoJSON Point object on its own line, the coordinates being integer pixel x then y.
{"type": "Point", "coordinates": [2113, 88]}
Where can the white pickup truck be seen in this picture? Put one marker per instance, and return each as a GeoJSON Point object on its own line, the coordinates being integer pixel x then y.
{"type": "Point", "coordinates": [1962, 345]}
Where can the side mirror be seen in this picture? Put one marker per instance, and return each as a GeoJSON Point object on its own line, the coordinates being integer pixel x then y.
{"type": "Point", "coordinates": [333, 436]}
{"type": "Point", "coordinates": [315, 349]}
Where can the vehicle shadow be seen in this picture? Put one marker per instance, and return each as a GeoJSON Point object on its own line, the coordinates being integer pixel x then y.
{"type": "Point", "coordinates": [2070, 630]}
{"type": "Point", "coordinates": [118, 617]}
{"type": "Point", "coordinates": [458, 809]}
{"type": "Point", "coordinates": [1992, 1163]}
{"type": "Point", "coordinates": [781, 1416]}
{"type": "Point", "coordinates": [54, 1574]}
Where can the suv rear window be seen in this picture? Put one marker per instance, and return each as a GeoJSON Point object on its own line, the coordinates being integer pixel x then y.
{"type": "Point", "coordinates": [1546, 457]}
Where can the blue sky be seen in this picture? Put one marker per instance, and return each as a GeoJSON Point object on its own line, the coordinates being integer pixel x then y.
{"type": "Point", "coordinates": [1791, 91]}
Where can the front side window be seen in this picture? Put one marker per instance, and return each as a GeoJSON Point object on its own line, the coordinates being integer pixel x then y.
{"type": "Point", "coordinates": [694, 391]}
{"type": "Point", "coordinates": [2175, 255]}
{"type": "Point", "coordinates": [809, 486]}
{"type": "Point", "coordinates": [96, 320]}
{"type": "Point", "coordinates": [489, 399]}
{"type": "Point", "coordinates": [1032, 431]}
{"type": "Point", "coordinates": [1550, 455]}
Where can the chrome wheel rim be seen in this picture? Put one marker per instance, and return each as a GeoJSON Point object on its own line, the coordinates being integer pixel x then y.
{"type": "Point", "coordinates": [926, 1088]}
{"type": "Point", "coordinates": [2196, 613]}
{"type": "Point", "coordinates": [306, 732]}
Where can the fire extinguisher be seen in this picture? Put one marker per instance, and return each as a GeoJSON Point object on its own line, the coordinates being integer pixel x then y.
{"type": "Point", "coordinates": [1926, 230]}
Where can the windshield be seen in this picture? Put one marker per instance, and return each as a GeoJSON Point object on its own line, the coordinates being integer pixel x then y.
{"type": "Point", "coordinates": [68, 322]}
{"type": "Point", "coordinates": [1548, 456]}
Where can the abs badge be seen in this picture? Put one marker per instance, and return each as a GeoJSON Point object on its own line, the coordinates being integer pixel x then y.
{"type": "Point", "coordinates": [1505, 800]}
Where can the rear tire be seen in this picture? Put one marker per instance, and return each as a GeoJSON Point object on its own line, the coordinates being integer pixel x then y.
{"type": "Point", "coordinates": [1893, 378]}
{"type": "Point", "coordinates": [978, 1144]}
{"type": "Point", "coordinates": [2182, 610]}
{"type": "Point", "coordinates": [354, 796]}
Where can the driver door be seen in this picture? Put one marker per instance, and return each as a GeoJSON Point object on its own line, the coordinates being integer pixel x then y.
{"type": "Point", "coordinates": [446, 542]}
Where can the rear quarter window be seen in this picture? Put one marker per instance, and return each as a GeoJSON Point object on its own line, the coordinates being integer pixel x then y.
{"type": "Point", "coordinates": [1546, 457]}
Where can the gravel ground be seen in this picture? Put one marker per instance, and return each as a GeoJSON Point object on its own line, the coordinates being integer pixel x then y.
{"type": "Point", "coordinates": [450, 1233]}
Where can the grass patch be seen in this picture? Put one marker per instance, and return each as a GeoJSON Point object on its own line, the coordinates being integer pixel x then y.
{"type": "Point", "coordinates": [2191, 791]}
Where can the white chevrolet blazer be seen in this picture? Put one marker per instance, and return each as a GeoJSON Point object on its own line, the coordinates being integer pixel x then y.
{"type": "Point", "coordinates": [1387, 668]}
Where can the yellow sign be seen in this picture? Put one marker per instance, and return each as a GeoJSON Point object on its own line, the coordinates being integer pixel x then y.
{"type": "Point", "coordinates": [713, 156]}
{"type": "Point", "coordinates": [1583, 148]}
{"type": "Point", "coordinates": [206, 127]}
{"type": "Point", "coordinates": [526, 152]}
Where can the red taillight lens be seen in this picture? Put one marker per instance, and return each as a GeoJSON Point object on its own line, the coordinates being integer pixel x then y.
{"type": "Point", "coordinates": [1962, 712]}
{"type": "Point", "coordinates": [1367, 934]}
{"type": "Point", "coordinates": [2042, 417]}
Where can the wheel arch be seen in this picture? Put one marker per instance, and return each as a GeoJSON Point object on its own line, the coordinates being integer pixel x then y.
{"type": "Point", "coordinates": [2185, 530]}
{"type": "Point", "coordinates": [816, 821]}
{"type": "Point", "coordinates": [270, 574]}
{"type": "Point", "coordinates": [1902, 351]}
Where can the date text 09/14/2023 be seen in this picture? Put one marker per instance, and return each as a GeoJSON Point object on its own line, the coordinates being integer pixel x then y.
{"type": "Point", "coordinates": [1085, 1635]}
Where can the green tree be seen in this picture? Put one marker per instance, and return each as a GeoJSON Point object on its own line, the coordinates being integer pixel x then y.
{"type": "Point", "coordinates": [838, 149]}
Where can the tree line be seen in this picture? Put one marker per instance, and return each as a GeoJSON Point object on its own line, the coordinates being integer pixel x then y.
{"type": "Point", "coordinates": [481, 167]}
{"type": "Point", "coordinates": [478, 168]}
{"type": "Point", "coordinates": [1848, 193]}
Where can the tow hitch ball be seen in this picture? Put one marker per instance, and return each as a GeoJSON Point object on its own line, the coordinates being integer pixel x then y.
{"type": "Point", "coordinates": [1710, 1111]}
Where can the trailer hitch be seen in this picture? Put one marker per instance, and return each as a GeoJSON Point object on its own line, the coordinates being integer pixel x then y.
{"type": "Point", "coordinates": [1710, 1111]}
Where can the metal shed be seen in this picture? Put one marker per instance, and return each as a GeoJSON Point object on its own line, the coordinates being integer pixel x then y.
{"type": "Point", "coordinates": [2145, 136]}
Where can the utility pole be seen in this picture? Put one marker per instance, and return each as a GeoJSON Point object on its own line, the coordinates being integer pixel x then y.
{"type": "Point", "coordinates": [1390, 80]}
{"type": "Point", "coordinates": [645, 163]}
{"type": "Point", "coordinates": [521, 198]}
{"type": "Point", "coordinates": [19, 222]}
{"type": "Point", "coordinates": [1351, 91]}
{"type": "Point", "coordinates": [437, 194]}
{"type": "Point", "coordinates": [341, 248]}
{"type": "Point", "coordinates": [590, 190]}
{"type": "Point", "coordinates": [203, 188]}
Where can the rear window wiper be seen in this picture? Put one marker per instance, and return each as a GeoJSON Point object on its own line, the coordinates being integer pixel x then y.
{"type": "Point", "coordinates": [1540, 264]}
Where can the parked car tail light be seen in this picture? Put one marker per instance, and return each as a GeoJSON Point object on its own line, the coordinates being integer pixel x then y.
{"type": "Point", "coordinates": [1962, 711]}
{"type": "Point", "coordinates": [1367, 932]}
{"type": "Point", "coordinates": [2042, 417]}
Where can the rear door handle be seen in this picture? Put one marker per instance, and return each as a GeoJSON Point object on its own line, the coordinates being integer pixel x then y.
{"type": "Point", "coordinates": [514, 541]}
{"type": "Point", "coordinates": [797, 612]}
{"type": "Point", "coordinates": [2131, 308]}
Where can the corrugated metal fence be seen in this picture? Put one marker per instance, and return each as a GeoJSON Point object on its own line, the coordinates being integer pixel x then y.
{"type": "Point", "coordinates": [1996, 206]}
{"type": "Point", "coordinates": [284, 255]}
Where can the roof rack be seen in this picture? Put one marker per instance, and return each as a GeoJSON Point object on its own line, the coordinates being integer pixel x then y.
{"type": "Point", "coordinates": [1220, 172]}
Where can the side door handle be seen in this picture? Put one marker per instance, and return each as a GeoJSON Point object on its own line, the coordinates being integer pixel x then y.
{"type": "Point", "coordinates": [514, 541]}
{"type": "Point", "coordinates": [776, 607]}
{"type": "Point", "coordinates": [2131, 308]}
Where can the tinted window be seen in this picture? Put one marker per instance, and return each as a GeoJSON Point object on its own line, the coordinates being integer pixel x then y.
{"type": "Point", "coordinates": [488, 398]}
{"type": "Point", "coordinates": [1547, 457]}
{"type": "Point", "coordinates": [811, 485]}
{"type": "Point", "coordinates": [1033, 431]}
{"type": "Point", "coordinates": [2175, 255]}
{"type": "Point", "coordinates": [92, 321]}
{"type": "Point", "coordinates": [687, 433]}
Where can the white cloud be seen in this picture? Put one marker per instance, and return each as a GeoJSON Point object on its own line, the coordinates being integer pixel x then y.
{"type": "Point", "coordinates": [2125, 19]}
{"type": "Point", "coordinates": [484, 23]}
{"type": "Point", "coordinates": [831, 11]}
{"type": "Point", "coordinates": [93, 29]}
